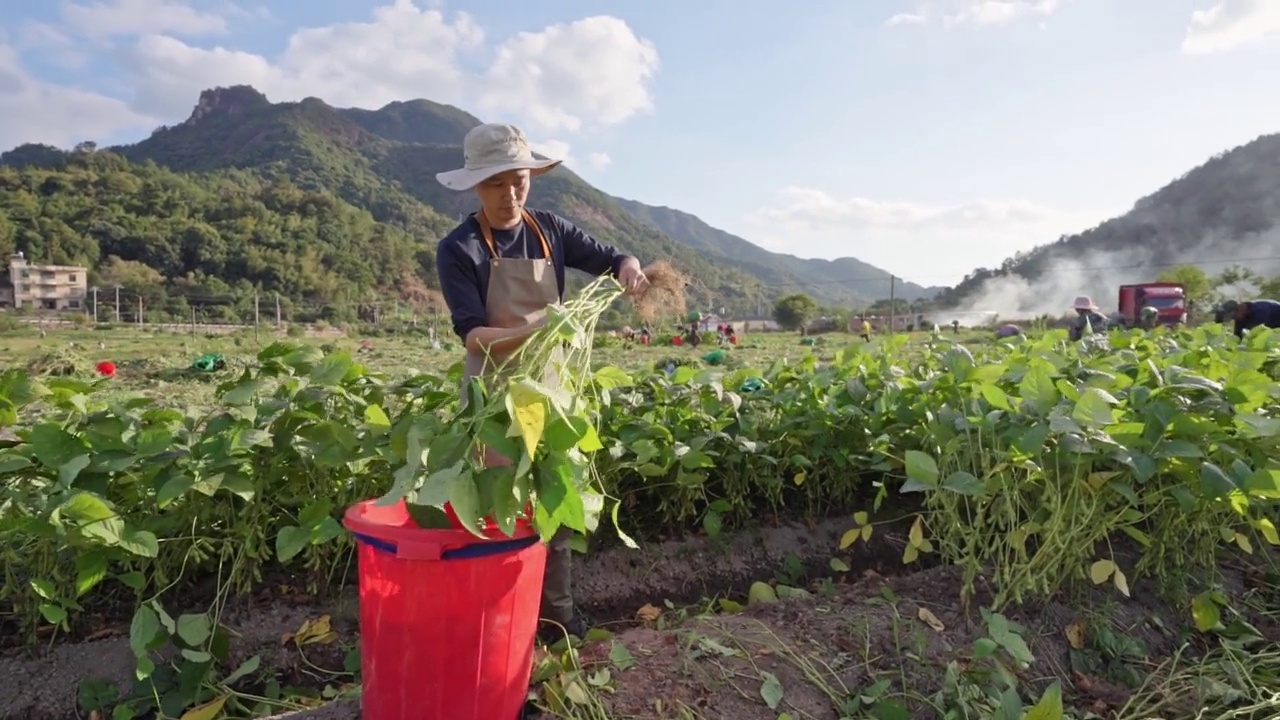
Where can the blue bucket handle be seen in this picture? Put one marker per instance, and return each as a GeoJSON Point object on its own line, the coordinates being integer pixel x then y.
{"type": "Point", "coordinates": [467, 552]}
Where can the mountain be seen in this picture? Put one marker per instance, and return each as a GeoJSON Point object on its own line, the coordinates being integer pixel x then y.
{"type": "Point", "coordinates": [841, 282]}
{"type": "Point", "coordinates": [384, 162]}
{"type": "Point", "coordinates": [1225, 212]}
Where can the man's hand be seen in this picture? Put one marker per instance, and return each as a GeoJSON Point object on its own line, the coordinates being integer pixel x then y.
{"type": "Point", "coordinates": [632, 278]}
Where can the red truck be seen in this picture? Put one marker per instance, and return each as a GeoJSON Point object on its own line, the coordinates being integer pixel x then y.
{"type": "Point", "coordinates": [1169, 300]}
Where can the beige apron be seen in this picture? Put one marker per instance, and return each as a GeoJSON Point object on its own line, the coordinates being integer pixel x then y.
{"type": "Point", "coordinates": [519, 292]}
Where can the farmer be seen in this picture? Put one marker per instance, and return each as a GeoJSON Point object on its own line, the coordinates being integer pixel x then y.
{"type": "Point", "coordinates": [1252, 314]}
{"type": "Point", "coordinates": [499, 270]}
{"type": "Point", "coordinates": [1149, 317]}
{"type": "Point", "coordinates": [866, 331]}
{"type": "Point", "coordinates": [1087, 316]}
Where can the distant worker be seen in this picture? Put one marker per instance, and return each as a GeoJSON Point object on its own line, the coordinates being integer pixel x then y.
{"type": "Point", "coordinates": [1148, 318]}
{"type": "Point", "coordinates": [866, 330]}
{"type": "Point", "coordinates": [1252, 314]}
{"type": "Point", "coordinates": [955, 327]}
{"type": "Point", "coordinates": [1088, 319]}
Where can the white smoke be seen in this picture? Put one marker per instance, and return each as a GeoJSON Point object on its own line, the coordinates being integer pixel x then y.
{"type": "Point", "coordinates": [1099, 274]}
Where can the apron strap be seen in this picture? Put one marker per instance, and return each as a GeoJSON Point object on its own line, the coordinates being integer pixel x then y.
{"type": "Point", "coordinates": [486, 231]}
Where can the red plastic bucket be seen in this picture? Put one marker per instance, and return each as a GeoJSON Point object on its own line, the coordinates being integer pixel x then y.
{"type": "Point", "coordinates": [447, 619]}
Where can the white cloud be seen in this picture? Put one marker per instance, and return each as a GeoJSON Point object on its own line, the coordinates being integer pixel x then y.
{"type": "Point", "coordinates": [599, 160]}
{"type": "Point", "coordinates": [108, 18]}
{"type": "Point", "coordinates": [37, 112]}
{"type": "Point", "coordinates": [594, 69]}
{"type": "Point", "coordinates": [568, 77]}
{"type": "Point", "coordinates": [931, 244]}
{"type": "Point", "coordinates": [980, 13]}
{"type": "Point", "coordinates": [591, 72]}
{"type": "Point", "coordinates": [907, 19]}
{"type": "Point", "coordinates": [1230, 24]}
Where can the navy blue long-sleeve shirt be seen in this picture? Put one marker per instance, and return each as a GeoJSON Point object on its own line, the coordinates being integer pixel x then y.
{"type": "Point", "coordinates": [1259, 312]}
{"type": "Point", "coordinates": [462, 261]}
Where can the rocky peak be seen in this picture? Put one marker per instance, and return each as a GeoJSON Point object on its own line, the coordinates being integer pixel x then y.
{"type": "Point", "coordinates": [231, 101]}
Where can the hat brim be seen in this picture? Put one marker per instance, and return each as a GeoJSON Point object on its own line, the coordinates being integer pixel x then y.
{"type": "Point", "coordinates": [465, 178]}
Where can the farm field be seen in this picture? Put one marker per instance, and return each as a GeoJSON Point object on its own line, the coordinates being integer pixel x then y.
{"type": "Point", "coordinates": [917, 527]}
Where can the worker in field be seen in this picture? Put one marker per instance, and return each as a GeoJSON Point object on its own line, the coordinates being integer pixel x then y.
{"type": "Point", "coordinates": [1148, 318]}
{"type": "Point", "coordinates": [866, 330]}
{"type": "Point", "coordinates": [1252, 314]}
{"type": "Point", "coordinates": [1088, 319]}
{"type": "Point", "coordinates": [499, 270]}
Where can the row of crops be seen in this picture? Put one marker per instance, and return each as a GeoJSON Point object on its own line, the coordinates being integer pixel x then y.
{"type": "Point", "coordinates": [1027, 461]}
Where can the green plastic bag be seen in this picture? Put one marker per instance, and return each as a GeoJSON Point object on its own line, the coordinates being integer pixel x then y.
{"type": "Point", "coordinates": [715, 357]}
{"type": "Point", "coordinates": [209, 362]}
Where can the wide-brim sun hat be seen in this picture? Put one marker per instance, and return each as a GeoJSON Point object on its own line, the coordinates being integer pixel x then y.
{"type": "Point", "coordinates": [1084, 302]}
{"type": "Point", "coordinates": [492, 149]}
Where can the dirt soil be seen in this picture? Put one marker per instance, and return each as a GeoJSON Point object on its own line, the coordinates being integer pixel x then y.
{"type": "Point", "coordinates": [42, 684]}
{"type": "Point", "coordinates": [827, 648]}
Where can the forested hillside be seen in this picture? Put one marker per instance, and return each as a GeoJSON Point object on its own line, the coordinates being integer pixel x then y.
{"type": "Point", "coordinates": [211, 239]}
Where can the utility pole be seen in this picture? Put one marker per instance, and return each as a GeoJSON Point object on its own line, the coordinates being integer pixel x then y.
{"type": "Point", "coordinates": [255, 316]}
{"type": "Point", "coordinates": [278, 323]}
{"type": "Point", "coordinates": [893, 305]}
{"type": "Point", "coordinates": [193, 319]}
{"type": "Point", "coordinates": [94, 290]}
{"type": "Point", "coordinates": [117, 304]}
{"type": "Point", "coordinates": [139, 311]}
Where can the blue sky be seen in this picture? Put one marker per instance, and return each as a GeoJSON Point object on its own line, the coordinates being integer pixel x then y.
{"type": "Point", "coordinates": [925, 137]}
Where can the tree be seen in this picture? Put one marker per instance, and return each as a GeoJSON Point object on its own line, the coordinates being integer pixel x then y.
{"type": "Point", "coordinates": [1193, 279]}
{"type": "Point", "coordinates": [794, 312]}
{"type": "Point", "coordinates": [1269, 288]}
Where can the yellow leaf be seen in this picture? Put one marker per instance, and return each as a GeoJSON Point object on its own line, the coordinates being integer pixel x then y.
{"type": "Point", "coordinates": [799, 478]}
{"type": "Point", "coordinates": [866, 533]}
{"type": "Point", "coordinates": [930, 619]}
{"type": "Point", "coordinates": [910, 554]}
{"type": "Point", "coordinates": [849, 537]}
{"type": "Point", "coordinates": [861, 517]}
{"type": "Point", "coordinates": [1122, 582]}
{"type": "Point", "coordinates": [730, 606]}
{"type": "Point", "coordinates": [1101, 570]}
{"type": "Point", "coordinates": [315, 632]}
{"type": "Point", "coordinates": [916, 536]}
{"type": "Point", "coordinates": [528, 413]}
{"type": "Point", "coordinates": [1242, 541]}
{"type": "Point", "coordinates": [590, 441]}
{"type": "Point", "coordinates": [648, 613]}
{"type": "Point", "coordinates": [1268, 530]}
{"type": "Point", "coordinates": [1075, 634]}
{"type": "Point", "coordinates": [576, 693]}
{"type": "Point", "coordinates": [207, 711]}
